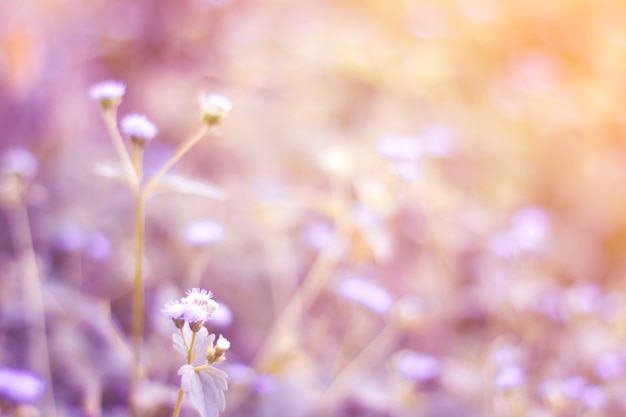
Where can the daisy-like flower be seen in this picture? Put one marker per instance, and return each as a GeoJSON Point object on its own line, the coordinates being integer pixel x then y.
{"type": "Point", "coordinates": [195, 315]}
{"type": "Point", "coordinates": [201, 297]}
{"type": "Point", "coordinates": [214, 107]}
{"type": "Point", "coordinates": [109, 93]}
{"type": "Point", "coordinates": [175, 310]}
{"type": "Point", "coordinates": [139, 128]}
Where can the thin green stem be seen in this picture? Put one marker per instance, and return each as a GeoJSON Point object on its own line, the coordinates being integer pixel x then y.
{"type": "Point", "coordinates": [194, 139]}
{"type": "Point", "coordinates": [110, 118]}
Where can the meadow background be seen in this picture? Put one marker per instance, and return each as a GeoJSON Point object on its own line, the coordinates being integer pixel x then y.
{"type": "Point", "coordinates": [425, 212]}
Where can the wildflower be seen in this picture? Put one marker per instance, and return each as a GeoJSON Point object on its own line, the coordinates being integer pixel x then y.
{"type": "Point", "coordinates": [203, 233]}
{"type": "Point", "coordinates": [594, 397]}
{"type": "Point", "coordinates": [139, 128]}
{"type": "Point", "coordinates": [20, 162]}
{"type": "Point", "coordinates": [528, 232]}
{"type": "Point", "coordinates": [222, 317]}
{"type": "Point", "coordinates": [609, 366]}
{"type": "Point", "coordinates": [20, 387]}
{"type": "Point", "coordinates": [367, 294]}
{"type": "Point", "coordinates": [202, 297]}
{"type": "Point", "coordinates": [214, 107]}
{"type": "Point", "coordinates": [195, 315]}
{"type": "Point", "coordinates": [175, 311]}
{"type": "Point", "coordinates": [221, 346]}
{"type": "Point", "coordinates": [417, 366]}
{"type": "Point", "coordinates": [109, 93]}
{"type": "Point", "coordinates": [509, 377]}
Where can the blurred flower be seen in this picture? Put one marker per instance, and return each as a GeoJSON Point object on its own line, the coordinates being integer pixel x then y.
{"type": "Point", "coordinates": [71, 238]}
{"type": "Point", "coordinates": [399, 147]}
{"type": "Point", "coordinates": [19, 387]}
{"type": "Point", "coordinates": [609, 366]}
{"type": "Point", "coordinates": [528, 232]}
{"type": "Point", "coordinates": [263, 385]}
{"type": "Point", "coordinates": [509, 377]}
{"type": "Point", "coordinates": [18, 161]}
{"type": "Point", "coordinates": [204, 233]}
{"type": "Point", "coordinates": [594, 397]}
{"type": "Point", "coordinates": [573, 386]}
{"type": "Point", "coordinates": [222, 316]}
{"type": "Point", "coordinates": [139, 128]}
{"type": "Point", "coordinates": [215, 107]}
{"type": "Point", "coordinates": [370, 295]}
{"type": "Point", "coordinates": [109, 93]}
{"type": "Point", "coordinates": [98, 246]}
{"type": "Point", "coordinates": [417, 366]}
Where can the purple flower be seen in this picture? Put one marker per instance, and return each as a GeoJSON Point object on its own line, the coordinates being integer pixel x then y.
{"type": "Point", "coordinates": [195, 313]}
{"type": "Point", "coordinates": [107, 90]}
{"type": "Point", "coordinates": [222, 316]}
{"type": "Point", "coordinates": [19, 387]}
{"type": "Point", "coordinates": [366, 293]}
{"type": "Point", "coordinates": [509, 377]}
{"type": "Point", "coordinates": [174, 310]}
{"type": "Point", "coordinates": [528, 231]}
{"type": "Point", "coordinates": [418, 366]}
{"type": "Point", "coordinates": [609, 366]}
{"type": "Point", "coordinates": [20, 162]}
{"type": "Point", "coordinates": [138, 127]}
{"type": "Point", "coordinates": [594, 397]}
{"type": "Point", "coordinates": [203, 233]}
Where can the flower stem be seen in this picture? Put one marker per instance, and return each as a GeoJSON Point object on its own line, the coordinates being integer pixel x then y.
{"type": "Point", "coordinates": [110, 118]}
{"type": "Point", "coordinates": [194, 139]}
{"type": "Point", "coordinates": [138, 319]}
{"type": "Point", "coordinates": [190, 358]}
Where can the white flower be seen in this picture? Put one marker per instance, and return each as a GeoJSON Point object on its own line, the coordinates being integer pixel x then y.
{"type": "Point", "coordinates": [222, 343]}
{"type": "Point", "coordinates": [215, 107]}
{"type": "Point", "coordinates": [107, 90]}
{"type": "Point", "coordinates": [138, 127]}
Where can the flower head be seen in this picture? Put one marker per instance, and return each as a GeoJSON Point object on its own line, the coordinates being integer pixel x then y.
{"type": "Point", "coordinates": [222, 343]}
{"type": "Point", "coordinates": [20, 387]}
{"type": "Point", "coordinates": [109, 93]}
{"type": "Point", "coordinates": [139, 128]}
{"type": "Point", "coordinates": [204, 232]}
{"type": "Point", "coordinates": [201, 297]}
{"type": "Point", "coordinates": [214, 107]}
{"type": "Point", "coordinates": [20, 162]}
{"type": "Point", "coordinates": [175, 310]}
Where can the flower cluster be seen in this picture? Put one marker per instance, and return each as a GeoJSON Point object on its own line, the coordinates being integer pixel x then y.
{"type": "Point", "coordinates": [200, 380]}
{"type": "Point", "coordinates": [196, 308]}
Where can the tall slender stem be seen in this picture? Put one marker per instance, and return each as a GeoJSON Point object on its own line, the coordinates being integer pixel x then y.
{"type": "Point", "coordinates": [154, 182]}
{"type": "Point", "coordinates": [110, 118]}
{"type": "Point", "coordinates": [138, 319]}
